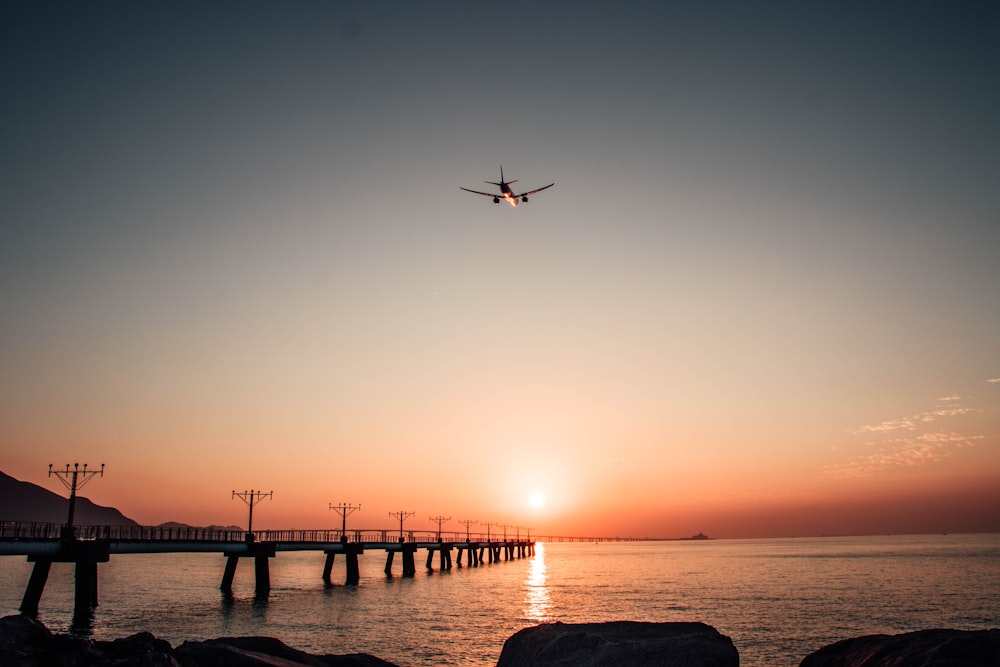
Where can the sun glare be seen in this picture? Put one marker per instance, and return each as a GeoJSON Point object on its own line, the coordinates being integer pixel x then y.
{"type": "Point", "coordinates": [536, 500]}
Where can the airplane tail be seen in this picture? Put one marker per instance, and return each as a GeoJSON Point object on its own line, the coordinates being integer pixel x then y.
{"type": "Point", "coordinates": [502, 182]}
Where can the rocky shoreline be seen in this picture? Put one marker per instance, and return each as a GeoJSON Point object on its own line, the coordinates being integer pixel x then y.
{"type": "Point", "coordinates": [24, 642]}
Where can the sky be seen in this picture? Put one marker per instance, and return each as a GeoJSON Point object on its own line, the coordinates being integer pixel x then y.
{"type": "Point", "coordinates": [761, 300]}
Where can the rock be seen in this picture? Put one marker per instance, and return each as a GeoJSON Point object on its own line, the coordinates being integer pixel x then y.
{"type": "Point", "coordinates": [619, 644]}
{"type": "Point", "coordinates": [243, 652]}
{"type": "Point", "coordinates": [24, 642]}
{"type": "Point", "coordinates": [926, 648]}
{"type": "Point", "coordinates": [140, 650]}
{"type": "Point", "coordinates": [260, 651]}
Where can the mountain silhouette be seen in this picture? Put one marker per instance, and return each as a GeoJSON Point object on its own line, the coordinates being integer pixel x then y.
{"type": "Point", "coordinates": [27, 502]}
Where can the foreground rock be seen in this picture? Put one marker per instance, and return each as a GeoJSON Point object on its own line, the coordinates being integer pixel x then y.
{"type": "Point", "coordinates": [619, 644]}
{"type": "Point", "coordinates": [926, 648]}
{"type": "Point", "coordinates": [24, 642]}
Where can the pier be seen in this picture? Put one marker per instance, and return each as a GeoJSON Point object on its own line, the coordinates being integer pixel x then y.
{"type": "Point", "coordinates": [87, 546]}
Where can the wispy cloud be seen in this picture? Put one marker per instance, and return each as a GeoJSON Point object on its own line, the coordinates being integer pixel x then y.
{"type": "Point", "coordinates": [993, 380]}
{"type": "Point", "coordinates": [891, 425]}
{"type": "Point", "coordinates": [951, 408]}
{"type": "Point", "coordinates": [908, 441]}
{"type": "Point", "coordinates": [951, 412]}
{"type": "Point", "coordinates": [923, 449]}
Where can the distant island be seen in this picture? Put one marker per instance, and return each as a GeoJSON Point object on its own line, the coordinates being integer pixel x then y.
{"type": "Point", "coordinates": [699, 536]}
{"type": "Point", "coordinates": [30, 503]}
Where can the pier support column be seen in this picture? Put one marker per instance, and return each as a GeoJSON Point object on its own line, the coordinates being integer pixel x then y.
{"type": "Point", "coordinates": [353, 571]}
{"type": "Point", "coordinates": [85, 596]}
{"type": "Point", "coordinates": [328, 567]}
{"type": "Point", "coordinates": [262, 576]}
{"type": "Point", "coordinates": [409, 567]}
{"type": "Point", "coordinates": [227, 577]}
{"type": "Point", "coordinates": [458, 560]}
{"type": "Point", "coordinates": [36, 584]}
{"type": "Point", "coordinates": [479, 556]}
{"type": "Point", "coordinates": [430, 559]}
{"type": "Point", "coordinates": [445, 558]}
{"type": "Point", "coordinates": [389, 555]}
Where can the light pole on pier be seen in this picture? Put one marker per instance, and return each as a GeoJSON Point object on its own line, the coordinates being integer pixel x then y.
{"type": "Point", "coordinates": [402, 516]}
{"type": "Point", "coordinates": [467, 523]}
{"type": "Point", "coordinates": [440, 520]}
{"type": "Point", "coordinates": [505, 526]}
{"type": "Point", "coordinates": [344, 510]}
{"type": "Point", "coordinates": [250, 498]}
{"type": "Point", "coordinates": [74, 479]}
{"type": "Point", "coordinates": [488, 524]}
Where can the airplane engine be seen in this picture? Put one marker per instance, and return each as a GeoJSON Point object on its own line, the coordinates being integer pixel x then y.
{"type": "Point", "coordinates": [496, 200]}
{"type": "Point", "coordinates": [524, 199]}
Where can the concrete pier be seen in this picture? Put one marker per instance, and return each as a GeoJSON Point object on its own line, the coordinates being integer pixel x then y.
{"type": "Point", "coordinates": [261, 552]}
{"type": "Point", "coordinates": [88, 546]}
{"type": "Point", "coordinates": [85, 555]}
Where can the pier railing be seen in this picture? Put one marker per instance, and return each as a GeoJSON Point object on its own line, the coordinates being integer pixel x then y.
{"type": "Point", "coordinates": [23, 530]}
{"type": "Point", "coordinates": [16, 530]}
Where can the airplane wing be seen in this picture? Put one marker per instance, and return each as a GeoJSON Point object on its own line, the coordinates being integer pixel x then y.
{"type": "Point", "coordinates": [531, 192]}
{"type": "Point", "coordinates": [485, 194]}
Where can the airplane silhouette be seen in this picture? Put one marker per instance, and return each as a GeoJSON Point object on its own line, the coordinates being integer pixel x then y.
{"type": "Point", "coordinates": [505, 192]}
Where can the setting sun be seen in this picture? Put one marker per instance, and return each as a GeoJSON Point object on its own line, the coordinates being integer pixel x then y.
{"type": "Point", "coordinates": [536, 499]}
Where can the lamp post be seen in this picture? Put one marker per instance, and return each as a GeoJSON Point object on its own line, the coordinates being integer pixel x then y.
{"type": "Point", "coordinates": [250, 498]}
{"type": "Point", "coordinates": [401, 515]}
{"type": "Point", "coordinates": [344, 510]}
{"type": "Point", "coordinates": [74, 479]}
{"type": "Point", "coordinates": [467, 522]}
{"type": "Point", "coordinates": [440, 520]}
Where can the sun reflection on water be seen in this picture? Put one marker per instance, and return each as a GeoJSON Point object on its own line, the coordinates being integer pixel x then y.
{"type": "Point", "coordinates": [536, 590]}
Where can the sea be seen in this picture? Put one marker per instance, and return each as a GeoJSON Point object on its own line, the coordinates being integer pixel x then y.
{"type": "Point", "coordinates": [777, 599]}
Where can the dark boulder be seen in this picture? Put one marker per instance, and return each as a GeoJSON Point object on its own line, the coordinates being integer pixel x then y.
{"type": "Point", "coordinates": [926, 648]}
{"type": "Point", "coordinates": [24, 642]}
{"type": "Point", "coordinates": [139, 650]}
{"type": "Point", "coordinates": [242, 652]}
{"type": "Point", "coordinates": [619, 644]}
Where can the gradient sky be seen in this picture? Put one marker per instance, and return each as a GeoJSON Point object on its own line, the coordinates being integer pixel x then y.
{"type": "Point", "coordinates": [762, 299]}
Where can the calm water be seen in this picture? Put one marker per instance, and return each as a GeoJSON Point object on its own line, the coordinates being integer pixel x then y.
{"type": "Point", "coordinates": [777, 599]}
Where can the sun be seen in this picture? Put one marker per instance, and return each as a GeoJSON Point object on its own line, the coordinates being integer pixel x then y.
{"type": "Point", "coordinates": [536, 499]}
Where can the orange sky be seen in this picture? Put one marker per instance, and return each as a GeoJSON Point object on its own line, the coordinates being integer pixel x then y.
{"type": "Point", "coordinates": [761, 299]}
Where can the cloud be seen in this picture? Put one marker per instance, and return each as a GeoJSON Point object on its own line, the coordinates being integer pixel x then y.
{"type": "Point", "coordinates": [891, 425]}
{"type": "Point", "coordinates": [994, 380]}
{"type": "Point", "coordinates": [923, 449]}
{"type": "Point", "coordinates": [908, 441]}
{"type": "Point", "coordinates": [952, 412]}
{"type": "Point", "coordinates": [912, 422]}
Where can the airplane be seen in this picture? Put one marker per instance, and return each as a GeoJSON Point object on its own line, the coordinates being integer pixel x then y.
{"type": "Point", "coordinates": [505, 192]}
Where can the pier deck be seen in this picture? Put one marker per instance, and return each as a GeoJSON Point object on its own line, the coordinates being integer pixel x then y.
{"type": "Point", "coordinates": [86, 546]}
